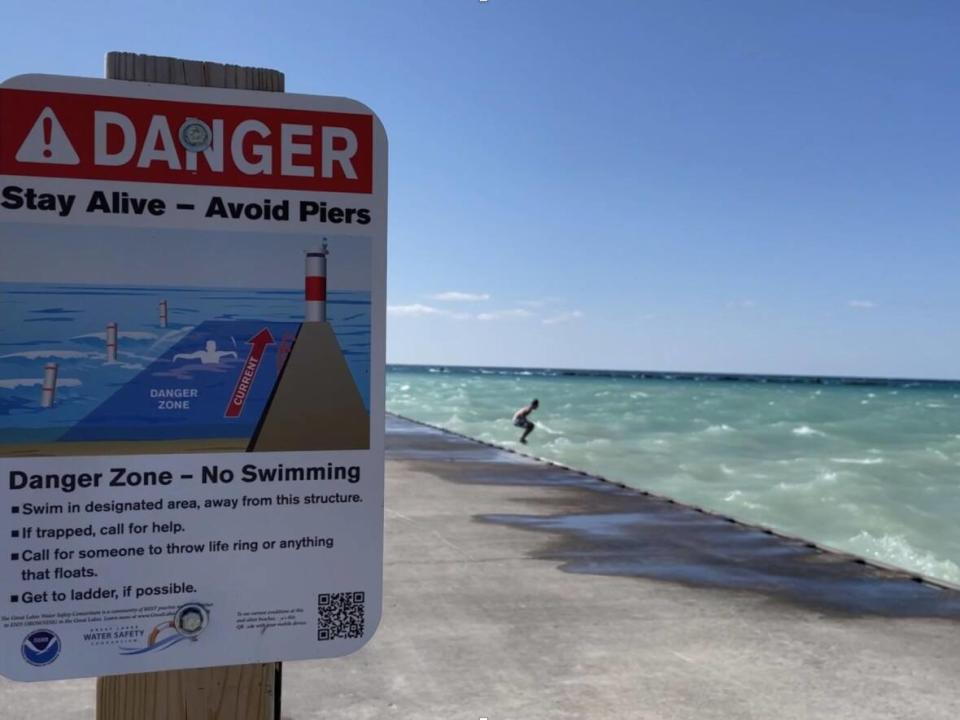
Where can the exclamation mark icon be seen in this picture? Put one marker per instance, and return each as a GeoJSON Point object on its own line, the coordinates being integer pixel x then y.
{"type": "Point", "coordinates": [47, 142]}
{"type": "Point", "coordinates": [47, 136]}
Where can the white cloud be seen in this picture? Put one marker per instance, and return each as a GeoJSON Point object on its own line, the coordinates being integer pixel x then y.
{"type": "Point", "coordinates": [741, 304]}
{"type": "Point", "coordinates": [505, 314]}
{"type": "Point", "coordinates": [415, 310]}
{"type": "Point", "coordinates": [563, 317]}
{"type": "Point", "coordinates": [862, 304]}
{"type": "Point", "coordinates": [542, 302]}
{"type": "Point", "coordinates": [457, 296]}
{"type": "Point", "coordinates": [418, 310]}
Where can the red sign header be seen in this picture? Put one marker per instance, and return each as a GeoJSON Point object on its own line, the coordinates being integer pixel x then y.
{"type": "Point", "coordinates": [96, 137]}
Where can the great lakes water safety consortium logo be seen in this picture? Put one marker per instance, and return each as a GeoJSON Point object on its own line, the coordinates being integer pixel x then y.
{"type": "Point", "coordinates": [40, 647]}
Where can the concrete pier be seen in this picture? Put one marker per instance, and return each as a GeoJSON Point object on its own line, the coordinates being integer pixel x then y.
{"type": "Point", "coordinates": [315, 404]}
{"type": "Point", "coordinates": [515, 590]}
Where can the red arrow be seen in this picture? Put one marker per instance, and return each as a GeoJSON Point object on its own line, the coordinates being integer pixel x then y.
{"type": "Point", "coordinates": [249, 372]}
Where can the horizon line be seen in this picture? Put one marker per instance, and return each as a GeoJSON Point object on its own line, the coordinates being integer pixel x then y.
{"type": "Point", "coordinates": [686, 374]}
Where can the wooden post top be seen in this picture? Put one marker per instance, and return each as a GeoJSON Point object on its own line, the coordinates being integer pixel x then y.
{"type": "Point", "coordinates": [200, 73]}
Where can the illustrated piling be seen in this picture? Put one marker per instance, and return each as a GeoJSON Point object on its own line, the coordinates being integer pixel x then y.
{"type": "Point", "coordinates": [163, 313]}
{"type": "Point", "coordinates": [49, 391]}
{"type": "Point", "coordinates": [111, 342]}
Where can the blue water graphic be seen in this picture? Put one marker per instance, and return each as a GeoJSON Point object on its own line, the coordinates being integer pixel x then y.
{"type": "Point", "coordinates": [178, 388]}
{"type": "Point", "coordinates": [97, 399]}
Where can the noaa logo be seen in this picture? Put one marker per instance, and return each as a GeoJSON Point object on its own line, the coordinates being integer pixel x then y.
{"type": "Point", "coordinates": [41, 647]}
{"type": "Point", "coordinates": [195, 135]}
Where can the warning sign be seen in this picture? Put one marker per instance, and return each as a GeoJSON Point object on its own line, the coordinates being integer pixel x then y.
{"type": "Point", "coordinates": [191, 376]}
{"type": "Point", "coordinates": [47, 143]}
{"type": "Point", "coordinates": [194, 143]}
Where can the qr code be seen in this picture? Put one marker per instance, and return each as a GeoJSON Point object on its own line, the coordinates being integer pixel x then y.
{"type": "Point", "coordinates": [340, 615]}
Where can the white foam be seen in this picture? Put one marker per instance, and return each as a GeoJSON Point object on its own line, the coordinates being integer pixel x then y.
{"type": "Point", "coordinates": [59, 354]}
{"type": "Point", "coordinates": [122, 334]}
{"type": "Point", "coordinates": [720, 429]}
{"type": "Point", "coordinates": [897, 550]}
{"type": "Point", "coordinates": [598, 443]}
{"type": "Point", "coordinates": [806, 430]}
{"type": "Point", "coordinates": [28, 382]}
{"type": "Point", "coordinates": [857, 461]}
{"type": "Point", "coordinates": [137, 356]}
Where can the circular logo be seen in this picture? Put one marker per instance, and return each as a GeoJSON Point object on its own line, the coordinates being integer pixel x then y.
{"type": "Point", "coordinates": [195, 135]}
{"type": "Point", "coordinates": [41, 647]}
{"type": "Point", "coordinates": [191, 619]}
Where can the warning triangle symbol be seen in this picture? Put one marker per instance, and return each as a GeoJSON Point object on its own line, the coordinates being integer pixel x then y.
{"type": "Point", "coordinates": [47, 142]}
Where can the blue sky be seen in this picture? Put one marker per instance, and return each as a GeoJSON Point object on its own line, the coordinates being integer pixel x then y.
{"type": "Point", "coordinates": [764, 186]}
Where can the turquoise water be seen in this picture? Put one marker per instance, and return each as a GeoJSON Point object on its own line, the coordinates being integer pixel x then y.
{"type": "Point", "coordinates": [870, 468]}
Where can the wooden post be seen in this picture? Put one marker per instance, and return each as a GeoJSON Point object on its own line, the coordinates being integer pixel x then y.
{"type": "Point", "coordinates": [236, 692]}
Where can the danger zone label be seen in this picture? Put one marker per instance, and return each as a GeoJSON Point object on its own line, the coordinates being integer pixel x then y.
{"type": "Point", "coordinates": [67, 135]}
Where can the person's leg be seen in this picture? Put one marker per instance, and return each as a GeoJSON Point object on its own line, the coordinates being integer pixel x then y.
{"type": "Point", "coordinates": [527, 430]}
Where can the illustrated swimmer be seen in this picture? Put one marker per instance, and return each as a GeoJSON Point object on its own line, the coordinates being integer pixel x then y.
{"type": "Point", "coordinates": [208, 356]}
{"type": "Point", "coordinates": [521, 419]}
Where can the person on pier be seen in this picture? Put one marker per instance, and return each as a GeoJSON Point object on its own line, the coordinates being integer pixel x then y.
{"type": "Point", "coordinates": [521, 419]}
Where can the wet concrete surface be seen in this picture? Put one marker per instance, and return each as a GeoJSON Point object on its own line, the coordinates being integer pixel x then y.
{"type": "Point", "coordinates": [602, 528]}
{"type": "Point", "coordinates": [516, 590]}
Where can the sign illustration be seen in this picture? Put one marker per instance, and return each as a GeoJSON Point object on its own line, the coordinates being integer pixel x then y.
{"type": "Point", "coordinates": [192, 307]}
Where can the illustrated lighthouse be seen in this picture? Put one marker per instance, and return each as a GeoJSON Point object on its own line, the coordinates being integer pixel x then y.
{"type": "Point", "coordinates": [315, 289]}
